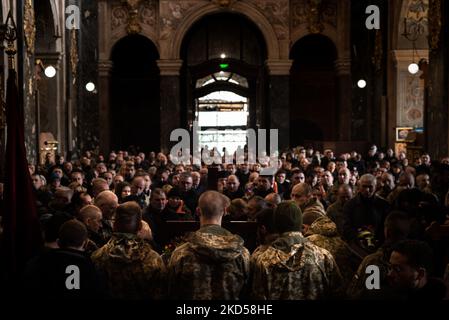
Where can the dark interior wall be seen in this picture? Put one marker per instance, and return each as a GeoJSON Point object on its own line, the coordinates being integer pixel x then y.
{"type": "Point", "coordinates": [135, 94]}
{"type": "Point", "coordinates": [45, 29]}
{"type": "Point", "coordinates": [313, 91]}
{"type": "Point", "coordinates": [368, 114]}
{"type": "Point", "coordinates": [45, 43]}
{"type": "Point", "coordinates": [87, 103]}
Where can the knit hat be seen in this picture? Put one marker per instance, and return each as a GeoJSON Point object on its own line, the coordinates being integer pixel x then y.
{"type": "Point", "coordinates": [287, 217]}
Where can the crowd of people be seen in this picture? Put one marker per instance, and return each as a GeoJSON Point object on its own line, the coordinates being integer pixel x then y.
{"type": "Point", "coordinates": [323, 223]}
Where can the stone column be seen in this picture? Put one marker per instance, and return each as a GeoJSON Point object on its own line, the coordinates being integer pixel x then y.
{"type": "Point", "coordinates": [279, 99]}
{"type": "Point", "coordinates": [170, 108]}
{"type": "Point", "coordinates": [344, 91]}
{"type": "Point", "coordinates": [436, 113]}
{"type": "Point", "coordinates": [104, 80]}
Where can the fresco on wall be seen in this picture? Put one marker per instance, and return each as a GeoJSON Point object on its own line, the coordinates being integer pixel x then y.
{"type": "Point", "coordinates": [411, 100]}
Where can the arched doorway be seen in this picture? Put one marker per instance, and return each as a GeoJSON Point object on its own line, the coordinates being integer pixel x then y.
{"type": "Point", "coordinates": [223, 79]}
{"type": "Point", "coordinates": [135, 110]}
{"type": "Point", "coordinates": [313, 91]}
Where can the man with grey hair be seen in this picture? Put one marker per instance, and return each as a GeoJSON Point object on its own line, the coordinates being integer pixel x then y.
{"type": "Point", "coordinates": [365, 212]}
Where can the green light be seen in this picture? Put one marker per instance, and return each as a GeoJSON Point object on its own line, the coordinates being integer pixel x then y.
{"type": "Point", "coordinates": [224, 65]}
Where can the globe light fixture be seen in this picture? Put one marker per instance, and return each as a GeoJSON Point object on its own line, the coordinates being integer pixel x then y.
{"type": "Point", "coordinates": [50, 72]}
{"type": "Point", "coordinates": [90, 86]}
{"type": "Point", "coordinates": [361, 83]}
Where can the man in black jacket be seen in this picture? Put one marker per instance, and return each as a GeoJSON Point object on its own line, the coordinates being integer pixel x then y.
{"type": "Point", "coordinates": [64, 273]}
{"type": "Point", "coordinates": [365, 212]}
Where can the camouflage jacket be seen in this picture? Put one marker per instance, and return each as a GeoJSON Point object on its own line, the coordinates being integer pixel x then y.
{"type": "Point", "coordinates": [323, 233]}
{"type": "Point", "coordinates": [212, 264]}
{"type": "Point", "coordinates": [313, 205]}
{"type": "Point", "coordinates": [292, 268]}
{"type": "Point", "coordinates": [132, 270]}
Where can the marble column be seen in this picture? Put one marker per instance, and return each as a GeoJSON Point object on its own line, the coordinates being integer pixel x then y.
{"type": "Point", "coordinates": [436, 113]}
{"type": "Point", "coordinates": [170, 100]}
{"type": "Point", "coordinates": [344, 89]}
{"type": "Point", "coordinates": [279, 99]}
{"type": "Point", "coordinates": [104, 80]}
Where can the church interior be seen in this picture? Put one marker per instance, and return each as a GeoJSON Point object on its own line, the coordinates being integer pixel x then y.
{"type": "Point", "coordinates": [93, 92]}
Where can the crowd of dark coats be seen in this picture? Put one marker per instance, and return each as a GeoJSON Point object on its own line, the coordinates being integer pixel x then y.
{"type": "Point", "coordinates": [323, 186]}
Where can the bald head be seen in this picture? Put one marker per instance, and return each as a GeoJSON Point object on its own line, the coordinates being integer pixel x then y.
{"type": "Point", "coordinates": [138, 185]}
{"type": "Point", "coordinates": [91, 216]}
{"type": "Point", "coordinates": [88, 211]}
{"type": "Point", "coordinates": [367, 185]}
{"type": "Point", "coordinates": [407, 180]}
{"type": "Point", "coordinates": [301, 193]}
{"type": "Point", "coordinates": [107, 201]}
{"type": "Point", "coordinates": [212, 205]}
{"type": "Point", "coordinates": [273, 199]}
{"type": "Point", "coordinates": [99, 185]}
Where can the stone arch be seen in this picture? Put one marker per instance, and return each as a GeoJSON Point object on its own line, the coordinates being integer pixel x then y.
{"type": "Point", "coordinates": [121, 33]}
{"type": "Point", "coordinates": [55, 8]}
{"type": "Point", "coordinates": [247, 10]}
{"type": "Point", "coordinates": [329, 31]}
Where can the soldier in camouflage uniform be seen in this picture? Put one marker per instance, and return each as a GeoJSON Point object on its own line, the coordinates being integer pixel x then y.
{"type": "Point", "coordinates": [213, 263]}
{"type": "Point", "coordinates": [322, 232]}
{"type": "Point", "coordinates": [130, 267]}
{"type": "Point", "coordinates": [292, 267]}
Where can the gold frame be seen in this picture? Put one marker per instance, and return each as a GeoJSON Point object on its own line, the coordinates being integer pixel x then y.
{"type": "Point", "coordinates": [398, 130]}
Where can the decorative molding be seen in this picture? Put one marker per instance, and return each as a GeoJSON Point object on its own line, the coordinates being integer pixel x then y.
{"type": "Point", "coordinates": [172, 15]}
{"type": "Point", "coordinates": [224, 3]}
{"type": "Point", "coordinates": [314, 13]}
{"type": "Point", "coordinates": [279, 67]}
{"type": "Point", "coordinates": [277, 13]}
{"type": "Point", "coordinates": [186, 20]}
{"type": "Point", "coordinates": [133, 14]}
{"type": "Point", "coordinates": [343, 66]}
{"type": "Point", "coordinates": [104, 68]}
{"type": "Point", "coordinates": [29, 26]}
{"type": "Point", "coordinates": [414, 19]}
{"type": "Point", "coordinates": [169, 67]}
{"type": "Point", "coordinates": [403, 58]}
